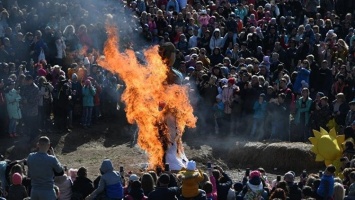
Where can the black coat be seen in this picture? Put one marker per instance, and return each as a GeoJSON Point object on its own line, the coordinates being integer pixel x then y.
{"type": "Point", "coordinates": [83, 186]}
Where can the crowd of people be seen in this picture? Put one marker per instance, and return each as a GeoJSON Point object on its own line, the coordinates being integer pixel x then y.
{"type": "Point", "coordinates": [266, 70]}
{"type": "Point", "coordinates": [262, 69]}
{"type": "Point", "coordinates": [41, 176]}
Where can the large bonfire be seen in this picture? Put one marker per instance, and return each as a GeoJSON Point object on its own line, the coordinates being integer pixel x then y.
{"type": "Point", "coordinates": [146, 89]}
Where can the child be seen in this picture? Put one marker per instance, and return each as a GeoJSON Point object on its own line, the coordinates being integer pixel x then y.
{"type": "Point", "coordinates": [326, 187]}
{"type": "Point", "coordinates": [210, 187]}
{"type": "Point", "coordinates": [17, 190]}
{"type": "Point", "coordinates": [191, 177]}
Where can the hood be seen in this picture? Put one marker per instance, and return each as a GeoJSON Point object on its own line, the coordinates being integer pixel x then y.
{"type": "Point", "coordinates": [256, 188]}
{"type": "Point", "coordinates": [216, 31]}
{"type": "Point", "coordinates": [106, 166]}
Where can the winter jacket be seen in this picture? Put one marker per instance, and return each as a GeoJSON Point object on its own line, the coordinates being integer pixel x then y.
{"type": "Point", "coordinates": [216, 41]}
{"type": "Point", "coordinates": [190, 182]}
{"type": "Point", "coordinates": [223, 188]}
{"type": "Point", "coordinates": [64, 184]}
{"type": "Point", "coordinates": [110, 181]}
{"type": "Point", "coordinates": [326, 187]}
{"type": "Point", "coordinates": [13, 107]}
{"type": "Point", "coordinates": [303, 75]}
{"type": "Point", "coordinates": [213, 194]}
{"type": "Point", "coordinates": [83, 186]}
{"type": "Point", "coordinates": [305, 110]}
{"type": "Point", "coordinates": [88, 95]}
{"type": "Point", "coordinates": [17, 192]}
{"type": "Point", "coordinates": [259, 110]}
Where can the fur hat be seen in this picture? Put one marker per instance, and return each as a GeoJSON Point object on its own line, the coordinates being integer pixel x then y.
{"type": "Point", "coordinates": [16, 179]}
{"type": "Point", "coordinates": [191, 165]}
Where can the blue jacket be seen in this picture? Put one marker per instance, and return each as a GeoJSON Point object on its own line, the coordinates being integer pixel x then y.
{"type": "Point", "coordinates": [110, 181]}
{"type": "Point", "coordinates": [303, 74]}
{"type": "Point", "coordinates": [326, 187]}
{"type": "Point", "coordinates": [88, 96]}
{"type": "Point", "coordinates": [259, 110]}
{"type": "Point", "coordinates": [174, 4]}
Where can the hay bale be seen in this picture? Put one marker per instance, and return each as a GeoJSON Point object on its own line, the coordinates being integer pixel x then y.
{"type": "Point", "coordinates": [283, 156]}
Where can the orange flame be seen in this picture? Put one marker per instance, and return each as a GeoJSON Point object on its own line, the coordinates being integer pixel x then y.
{"type": "Point", "coordinates": [145, 88]}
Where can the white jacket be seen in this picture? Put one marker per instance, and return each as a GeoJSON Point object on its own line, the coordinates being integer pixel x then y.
{"type": "Point", "coordinates": [216, 41]}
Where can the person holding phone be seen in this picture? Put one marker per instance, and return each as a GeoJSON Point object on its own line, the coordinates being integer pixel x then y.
{"type": "Point", "coordinates": [223, 182]}
{"type": "Point", "coordinates": [210, 186]}
{"type": "Point", "coordinates": [294, 191]}
{"type": "Point", "coordinates": [42, 167]}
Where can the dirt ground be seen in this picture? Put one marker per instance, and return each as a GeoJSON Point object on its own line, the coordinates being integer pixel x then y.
{"type": "Point", "coordinates": [113, 139]}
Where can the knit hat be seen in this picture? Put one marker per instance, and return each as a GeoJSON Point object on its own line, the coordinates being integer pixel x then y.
{"type": "Point", "coordinates": [191, 165]}
{"type": "Point", "coordinates": [231, 80]}
{"type": "Point", "coordinates": [16, 179]}
{"type": "Point", "coordinates": [42, 72]}
{"type": "Point", "coordinates": [254, 182]}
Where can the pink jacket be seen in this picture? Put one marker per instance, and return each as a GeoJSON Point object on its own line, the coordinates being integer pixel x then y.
{"type": "Point", "coordinates": [213, 194]}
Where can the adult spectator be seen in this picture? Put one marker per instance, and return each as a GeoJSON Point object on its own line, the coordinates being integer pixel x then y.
{"type": "Point", "coordinates": [223, 182]}
{"type": "Point", "coordinates": [294, 191]}
{"type": "Point", "coordinates": [42, 167]}
{"type": "Point", "coordinates": [162, 191]}
{"type": "Point", "coordinates": [82, 186]}
{"type": "Point", "coordinates": [30, 98]}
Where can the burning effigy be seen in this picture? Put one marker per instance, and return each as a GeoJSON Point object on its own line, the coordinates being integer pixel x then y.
{"type": "Point", "coordinates": [160, 108]}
